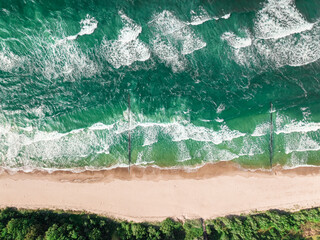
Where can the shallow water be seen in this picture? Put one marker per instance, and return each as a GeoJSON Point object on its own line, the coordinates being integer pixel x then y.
{"type": "Point", "coordinates": [201, 76]}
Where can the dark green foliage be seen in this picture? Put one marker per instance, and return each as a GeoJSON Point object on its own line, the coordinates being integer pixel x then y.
{"type": "Point", "coordinates": [50, 225]}
{"type": "Point", "coordinates": [124, 231]}
{"type": "Point", "coordinates": [139, 231]}
{"type": "Point", "coordinates": [193, 230]}
{"type": "Point", "coordinates": [129, 230]}
{"type": "Point", "coordinates": [273, 224]}
{"type": "Point", "coordinates": [172, 229]}
{"type": "Point", "coordinates": [153, 234]}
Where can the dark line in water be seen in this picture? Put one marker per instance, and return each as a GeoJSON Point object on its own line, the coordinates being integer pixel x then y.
{"type": "Point", "coordinates": [271, 135]}
{"type": "Point", "coordinates": [129, 133]}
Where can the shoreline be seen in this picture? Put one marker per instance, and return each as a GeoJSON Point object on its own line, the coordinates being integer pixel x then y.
{"type": "Point", "coordinates": [186, 168]}
{"type": "Point", "coordinates": [155, 173]}
{"type": "Point", "coordinates": [153, 194]}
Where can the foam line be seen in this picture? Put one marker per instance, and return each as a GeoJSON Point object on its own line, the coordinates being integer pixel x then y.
{"type": "Point", "coordinates": [301, 127]}
{"type": "Point", "coordinates": [200, 16]}
{"type": "Point", "coordinates": [97, 139]}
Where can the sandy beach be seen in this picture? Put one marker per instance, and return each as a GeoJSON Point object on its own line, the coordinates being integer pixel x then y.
{"type": "Point", "coordinates": [152, 194]}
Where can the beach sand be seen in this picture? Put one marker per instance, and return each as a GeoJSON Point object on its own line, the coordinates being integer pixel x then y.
{"type": "Point", "coordinates": [153, 194]}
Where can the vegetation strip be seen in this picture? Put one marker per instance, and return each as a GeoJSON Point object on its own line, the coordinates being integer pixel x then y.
{"type": "Point", "coordinates": [46, 224]}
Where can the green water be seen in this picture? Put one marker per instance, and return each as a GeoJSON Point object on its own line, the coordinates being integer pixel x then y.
{"type": "Point", "coordinates": [200, 74]}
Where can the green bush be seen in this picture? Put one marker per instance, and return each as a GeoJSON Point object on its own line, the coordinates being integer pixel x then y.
{"type": "Point", "coordinates": [52, 225]}
{"type": "Point", "coordinates": [171, 229]}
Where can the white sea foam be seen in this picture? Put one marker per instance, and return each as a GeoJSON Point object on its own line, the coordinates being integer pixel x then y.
{"type": "Point", "coordinates": [226, 16]}
{"type": "Point", "coordinates": [245, 56]}
{"type": "Point", "coordinates": [282, 37]}
{"type": "Point", "coordinates": [212, 153]}
{"type": "Point", "coordinates": [280, 121]}
{"type": "Point", "coordinates": [171, 34]}
{"type": "Point", "coordinates": [4, 129]}
{"type": "Point", "coordinates": [44, 137]}
{"type": "Point", "coordinates": [130, 30]}
{"type": "Point", "coordinates": [306, 113]}
{"type": "Point", "coordinates": [225, 155]}
{"type": "Point", "coordinates": [235, 41]}
{"type": "Point", "coordinates": [88, 26]}
{"type": "Point", "coordinates": [127, 49]}
{"type": "Point", "coordinates": [168, 54]}
{"type": "Point", "coordinates": [298, 159]}
{"type": "Point", "coordinates": [279, 18]}
{"type": "Point", "coordinates": [38, 111]}
{"type": "Point", "coordinates": [190, 42]}
{"type": "Point", "coordinates": [145, 157]}
{"type": "Point", "coordinates": [101, 126]}
{"type": "Point", "coordinates": [62, 60]}
{"type": "Point", "coordinates": [151, 135]}
{"type": "Point", "coordinates": [219, 120]}
{"type": "Point", "coordinates": [26, 129]}
{"type": "Point", "coordinates": [200, 16]}
{"type": "Point", "coordinates": [205, 120]}
{"type": "Point", "coordinates": [31, 147]}
{"type": "Point", "coordinates": [299, 136]}
{"type": "Point", "coordinates": [21, 148]}
{"type": "Point", "coordinates": [13, 170]}
{"type": "Point", "coordinates": [294, 50]}
{"type": "Point", "coordinates": [203, 134]}
{"type": "Point", "coordinates": [251, 147]}
{"type": "Point", "coordinates": [220, 108]}
{"type": "Point", "coordinates": [5, 11]}
{"type": "Point", "coordinates": [241, 47]}
{"type": "Point", "coordinates": [183, 152]}
{"type": "Point", "coordinates": [8, 60]}
{"type": "Point", "coordinates": [286, 125]}
{"type": "Point", "coordinates": [167, 23]}
{"type": "Point", "coordinates": [300, 144]}
{"type": "Point", "coordinates": [261, 130]}
{"type": "Point", "coordinates": [298, 126]}
{"type": "Point", "coordinates": [179, 132]}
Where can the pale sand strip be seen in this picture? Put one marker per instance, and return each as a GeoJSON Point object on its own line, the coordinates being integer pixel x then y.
{"type": "Point", "coordinates": [153, 194]}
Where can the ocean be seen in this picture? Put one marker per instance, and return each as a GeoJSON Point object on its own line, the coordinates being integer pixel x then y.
{"type": "Point", "coordinates": [93, 84]}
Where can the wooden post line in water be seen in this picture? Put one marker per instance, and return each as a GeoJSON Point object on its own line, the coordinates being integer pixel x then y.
{"type": "Point", "coordinates": [271, 135]}
{"type": "Point", "coordinates": [129, 134]}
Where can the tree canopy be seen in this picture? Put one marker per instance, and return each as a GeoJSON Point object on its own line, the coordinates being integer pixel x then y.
{"type": "Point", "coordinates": [54, 225]}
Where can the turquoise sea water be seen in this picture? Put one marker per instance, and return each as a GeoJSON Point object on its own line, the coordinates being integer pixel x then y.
{"type": "Point", "coordinates": [200, 76]}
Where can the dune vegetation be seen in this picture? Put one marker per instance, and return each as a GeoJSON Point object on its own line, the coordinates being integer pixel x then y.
{"type": "Point", "coordinates": [51, 225]}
